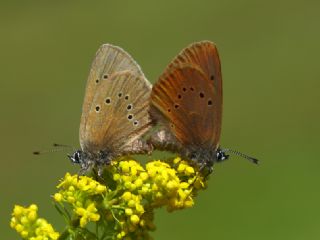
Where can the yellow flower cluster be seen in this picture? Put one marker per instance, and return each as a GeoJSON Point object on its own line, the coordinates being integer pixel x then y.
{"type": "Point", "coordinates": [172, 184]}
{"type": "Point", "coordinates": [121, 202]}
{"type": "Point", "coordinates": [132, 220]}
{"type": "Point", "coordinates": [26, 222]}
{"type": "Point", "coordinates": [172, 187]}
{"type": "Point", "coordinates": [81, 192]}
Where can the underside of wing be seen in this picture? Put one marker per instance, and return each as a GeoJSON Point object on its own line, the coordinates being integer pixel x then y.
{"type": "Point", "coordinates": [110, 61]}
{"type": "Point", "coordinates": [183, 101]}
{"type": "Point", "coordinates": [203, 54]}
{"type": "Point", "coordinates": [119, 114]}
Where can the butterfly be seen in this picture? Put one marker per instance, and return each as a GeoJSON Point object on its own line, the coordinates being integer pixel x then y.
{"type": "Point", "coordinates": [115, 109]}
{"type": "Point", "coordinates": [187, 102]}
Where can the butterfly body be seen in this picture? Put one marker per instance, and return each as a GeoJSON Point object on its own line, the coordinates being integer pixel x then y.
{"type": "Point", "coordinates": [203, 157]}
{"type": "Point", "coordinates": [87, 159]}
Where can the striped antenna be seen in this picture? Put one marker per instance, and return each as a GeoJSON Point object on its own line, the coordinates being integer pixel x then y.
{"type": "Point", "coordinates": [57, 148]}
{"type": "Point", "coordinates": [235, 152]}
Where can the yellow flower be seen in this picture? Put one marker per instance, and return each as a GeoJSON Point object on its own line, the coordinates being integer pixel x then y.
{"type": "Point", "coordinates": [128, 211]}
{"type": "Point", "coordinates": [26, 222]}
{"type": "Point", "coordinates": [189, 170]}
{"type": "Point", "coordinates": [126, 196]}
{"type": "Point", "coordinates": [116, 177]}
{"type": "Point", "coordinates": [58, 197]}
{"type": "Point", "coordinates": [124, 199]}
{"type": "Point", "coordinates": [87, 214]}
{"type": "Point", "coordinates": [181, 167]}
{"type": "Point", "coordinates": [144, 176]}
{"type": "Point", "coordinates": [72, 185]}
{"type": "Point", "coordinates": [134, 219]}
{"type": "Point", "coordinates": [132, 203]}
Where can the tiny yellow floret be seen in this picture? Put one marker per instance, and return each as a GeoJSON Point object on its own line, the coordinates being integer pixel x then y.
{"type": "Point", "coordinates": [134, 219]}
{"type": "Point", "coordinates": [58, 197]}
{"type": "Point", "coordinates": [132, 203]}
{"type": "Point", "coordinates": [144, 176]}
{"type": "Point", "coordinates": [189, 170]}
{"type": "Point", "coordinates": [126, 196]}
{"type": "Point", "coordinates": [128, 211]}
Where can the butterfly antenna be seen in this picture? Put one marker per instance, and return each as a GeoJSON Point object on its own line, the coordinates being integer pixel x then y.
{"type": "Point", "coordinates": [251, 159]}
{"type": "Point", "coordinates": [62, 146]}
{"type": "Point", "coordinates": [47, 151]}
{"type": "Point", "coordinates": [57, 148]}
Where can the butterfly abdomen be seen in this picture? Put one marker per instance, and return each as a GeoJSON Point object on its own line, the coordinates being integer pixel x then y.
{"type": "Point", "coordinates": [164, 141]}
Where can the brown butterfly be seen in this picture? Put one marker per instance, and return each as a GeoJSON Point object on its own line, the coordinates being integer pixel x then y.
{"type": "Point", "coordinates": [187, 102]}
{"type": "Point", "coordinates": [115, 109]}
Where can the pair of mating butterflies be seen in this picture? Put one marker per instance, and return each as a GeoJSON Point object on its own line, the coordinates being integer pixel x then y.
{"type": "Point", "coordinates": [121, 106]}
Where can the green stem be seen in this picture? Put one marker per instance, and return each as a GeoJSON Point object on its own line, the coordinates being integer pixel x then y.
{"type": "Point", "coordinates": [73, 224]}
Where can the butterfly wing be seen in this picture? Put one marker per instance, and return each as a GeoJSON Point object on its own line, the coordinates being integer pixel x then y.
{"type": "Point", "coordinates": [104, 123]}
{"type": "Point", "coordinates": [183, 101]}
{"type": "Point", "coordinates": [205, 55]}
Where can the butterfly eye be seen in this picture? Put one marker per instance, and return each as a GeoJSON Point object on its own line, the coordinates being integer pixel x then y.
{"type": "Point", "coordinates": [77, 157]}
{"type": "Point", "coordinates": [108, 101]}
{"type": "Point", "coordinates": [97, 108]}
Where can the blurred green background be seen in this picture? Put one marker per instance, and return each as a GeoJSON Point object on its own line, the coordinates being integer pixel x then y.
{"type": "Point", "coordinates": [270, 56]}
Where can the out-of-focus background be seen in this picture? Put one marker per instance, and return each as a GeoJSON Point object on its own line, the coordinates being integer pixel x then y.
{"type": "Point", "coordinates": [270, 56]}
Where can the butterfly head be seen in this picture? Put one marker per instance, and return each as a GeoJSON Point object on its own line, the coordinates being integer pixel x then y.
{"type": "Point", "coordinates": [206, 158]}
{"type": "Point", "coordinates": [77, 157]}
{"type": "Point", "coordinates": [221, 155]}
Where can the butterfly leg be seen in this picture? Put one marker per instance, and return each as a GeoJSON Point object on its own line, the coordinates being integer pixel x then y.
{"type": "Point", "coordinates": [85, 166]}
{"type": "Point", "coordinates": [100, 163]}
{"type": "Point", "coordinates": [205, 170]}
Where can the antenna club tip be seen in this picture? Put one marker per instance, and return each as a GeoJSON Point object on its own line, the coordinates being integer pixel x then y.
{"type": "Point", "coordinates": [255, 161]}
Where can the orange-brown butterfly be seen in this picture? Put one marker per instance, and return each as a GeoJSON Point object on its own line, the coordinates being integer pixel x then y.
{"type": "Point", "coordinates": [187, 102]}
{"type": "Point", "coordinates": [115, 109]}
